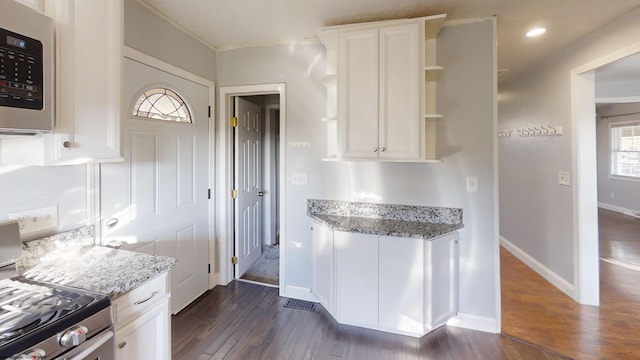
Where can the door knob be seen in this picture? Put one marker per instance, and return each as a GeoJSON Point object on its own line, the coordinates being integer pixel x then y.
{"type": "Point", "coordinates": [261, 193]}
{"type": "Point", "coordinates": [111, 222]}
{"type": "Point", "coordinates": [375, 149]}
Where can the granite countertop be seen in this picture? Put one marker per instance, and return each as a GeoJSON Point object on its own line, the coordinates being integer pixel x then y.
{"type": "Point", "coordinates": [399, 228]}
{"type": "Point", "coordinates": [422, 222]}
{"type": "Point", "coordinates": [69, 260]}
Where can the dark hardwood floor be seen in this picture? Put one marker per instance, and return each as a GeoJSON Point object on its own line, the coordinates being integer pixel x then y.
{"type": "Point", "coordinates": [247, 321]}
{"type": "Point", "coordinates": [537, 312]}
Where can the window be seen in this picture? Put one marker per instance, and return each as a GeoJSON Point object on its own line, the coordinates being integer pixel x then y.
{"type": "Point", "coordinates": [625, 149]}
{"type": "Point", "coordinates": [162, 104]}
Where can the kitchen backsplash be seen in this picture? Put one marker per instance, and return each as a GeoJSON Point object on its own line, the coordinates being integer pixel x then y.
{"type": "Point", "coordinates": [38, 250]}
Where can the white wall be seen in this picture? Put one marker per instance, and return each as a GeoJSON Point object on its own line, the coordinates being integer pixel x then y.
{"type": "Point", "coordinates": [25, 188]}
{"type": "Point", "coordinates": [615, 193]}
{"type": "Point", "coordinates": [467, 138]}
{"type": "Point", "coordinates": [536, 212]}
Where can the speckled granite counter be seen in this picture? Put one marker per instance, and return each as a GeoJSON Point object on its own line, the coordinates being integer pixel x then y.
{"type": "Point", "coordinates": [71, 259]}
{"type": "Point", "coordinates": [385, 219]}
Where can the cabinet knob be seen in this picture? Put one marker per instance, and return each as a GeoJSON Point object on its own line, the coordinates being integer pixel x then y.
{"type": "Point", "coordinates": [383, 149]}
{"type": "Point", "coordinates": [375, 149]}
{"type": "Point", "coordinates": [66, 144]}
{"type": "Point", "coordinates": [122, 345]}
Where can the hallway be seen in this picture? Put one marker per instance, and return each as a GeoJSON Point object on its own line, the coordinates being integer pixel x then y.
{"type": "Point", "coordinates": [535, 311]}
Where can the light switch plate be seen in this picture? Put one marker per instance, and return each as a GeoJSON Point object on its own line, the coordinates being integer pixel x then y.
{"type": "Point", "coordinates": [564, 178]}
{"type": "Point", "coordinates": [472, 184]}
{"type": "Point", "coordinates": [300, 179]}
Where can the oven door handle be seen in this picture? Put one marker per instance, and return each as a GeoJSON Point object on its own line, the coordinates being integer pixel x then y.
{"type": "Point", "coordinates": [94, 343]}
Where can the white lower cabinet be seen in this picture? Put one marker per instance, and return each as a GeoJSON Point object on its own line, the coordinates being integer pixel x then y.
{"type": "Point", "coordinates": [143, 323]}
{"type": "Point", "coordinates": [395, 284]}
{"type": "Point", "coordinates": [322, 263]}
{"type": "Point", "coordinates": [356, 279]}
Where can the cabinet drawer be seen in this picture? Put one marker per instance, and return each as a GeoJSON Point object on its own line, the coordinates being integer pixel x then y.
{"type": "Point", "coordinates": [139, 299]}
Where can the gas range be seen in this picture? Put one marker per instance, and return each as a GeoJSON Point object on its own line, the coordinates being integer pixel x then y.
{"type": "Point", "coordinates": [43, 321]}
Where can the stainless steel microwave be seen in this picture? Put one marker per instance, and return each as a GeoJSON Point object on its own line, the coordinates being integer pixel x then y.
{"type": "Point", "coordinates": [26, 70]}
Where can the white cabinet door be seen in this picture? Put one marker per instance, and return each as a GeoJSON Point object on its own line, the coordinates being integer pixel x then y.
{"type": "Point", "coordinates": [357, 278]}
{"type": "Point", "coordinates": [399, 135]}
{"type": "Point", "coordinates": [379, 93]}
{"type": "Point", "coordinates": [146, 336]}
{"type": "Point", "coordinates": [401, 284]}
{"type": "Point", "coordinates": [358, 93]}
{"type": "Point", "coordinates": [442, 270]}
{"type": "Point", "coordinates": [322, 264]}
{"type": "Point", "coordinates": [89, 39]}
{"type": "Point", "coordinates": [88, 77]}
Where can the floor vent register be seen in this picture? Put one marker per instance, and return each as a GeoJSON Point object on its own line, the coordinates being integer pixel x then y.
{"type": "Point", "coordinates": [301, 304]}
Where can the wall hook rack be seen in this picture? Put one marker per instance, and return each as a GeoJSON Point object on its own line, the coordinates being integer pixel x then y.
{"type": "Point", "coordinates": [547, 130]}
{"type": "Point", "coordinates": [503, 133]}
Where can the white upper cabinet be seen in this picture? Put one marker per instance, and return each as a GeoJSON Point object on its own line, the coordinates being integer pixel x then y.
{"type": "Point", "coordinates": [382, 92]}
{"type": "Point", "coordinates": [89, 41]}
{"type": "Point", "coordinates": [378, 87]}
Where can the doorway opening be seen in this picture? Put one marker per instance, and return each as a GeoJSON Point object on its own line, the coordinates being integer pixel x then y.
{"type": "Point", "coordinates": [253, 166]}
{"type": "Point", "coordinates": [256, 151]}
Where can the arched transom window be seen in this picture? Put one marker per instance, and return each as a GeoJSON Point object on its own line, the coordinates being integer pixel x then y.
{"type": "Point", "coordinates": [161, 103]}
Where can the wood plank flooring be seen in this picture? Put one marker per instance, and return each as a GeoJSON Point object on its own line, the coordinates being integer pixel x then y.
{"type": "Point", "coordinates": [537, 312]}
{"type": "Point", "coordinates": [248, 321]}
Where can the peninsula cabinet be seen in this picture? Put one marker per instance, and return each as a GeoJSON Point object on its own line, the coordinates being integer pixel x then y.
{"type": "Point", "coordinates": [395, 284]}
{"type": "Point", "coordinates": [88, 68]}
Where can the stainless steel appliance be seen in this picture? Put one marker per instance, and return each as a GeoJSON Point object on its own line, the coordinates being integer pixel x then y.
{"type": "Point", "coordinates": [26, 70]}
{"type": "Point", "coordinates": [42, 321]}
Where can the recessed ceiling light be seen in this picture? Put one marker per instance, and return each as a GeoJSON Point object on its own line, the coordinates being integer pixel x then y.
{"type": "Point", "coordinates": [536, 32]}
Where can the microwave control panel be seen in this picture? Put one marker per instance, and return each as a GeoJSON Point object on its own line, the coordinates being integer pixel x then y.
{"type": "Point", "coordinates": [21, 71]}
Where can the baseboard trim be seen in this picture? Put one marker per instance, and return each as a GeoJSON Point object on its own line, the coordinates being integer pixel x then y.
{"type": "Point", "coordinates": [619, 209]}
{"type": "Point", "coordinates": [555, 280]}
{"type": "Point", "coordinates": [475, 322]}
{"type": "Point", "coordinates": [298, 292]}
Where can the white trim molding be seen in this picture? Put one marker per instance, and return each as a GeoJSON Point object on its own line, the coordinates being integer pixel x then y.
{"type": "Point", "coordinates": [475, 322]}
{"type": "Point", "coordinates": [555, 280]}
{"type": "Point", "coordinates": [298, 292]}
{"type": "Point", "coordinates": [619, 209]}
{"type": "Point", "coordinates": [224, 177]}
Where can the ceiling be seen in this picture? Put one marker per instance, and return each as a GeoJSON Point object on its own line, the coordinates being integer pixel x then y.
{"type": "Point", "coordinates": [231, 24]}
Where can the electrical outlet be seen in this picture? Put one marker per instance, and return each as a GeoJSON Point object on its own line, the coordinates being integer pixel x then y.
{"type": "Point", "coordinates": [564, 178]}
{"type": "Point", "coordinates": [300, 179]}
{"type": "Point", "coordinates": [472, 184]}
{"type": "Point", "coordinates": [36, 220]}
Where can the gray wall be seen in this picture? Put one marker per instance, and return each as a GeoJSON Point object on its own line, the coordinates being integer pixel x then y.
{"type": "Point", "coordinates": [536, 212]}
{"type": "Point", "coordinates": [617, 193]}
{"type": "Point", "coordinates": [152, 35]}
{"type": "Point", "coordinates": [466, 144]}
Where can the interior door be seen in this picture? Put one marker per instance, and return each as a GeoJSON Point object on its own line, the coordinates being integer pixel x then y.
{"type": "Point", "coordinates": [248, 183]}
{"type": "Point", "coordinates": [156, 200]}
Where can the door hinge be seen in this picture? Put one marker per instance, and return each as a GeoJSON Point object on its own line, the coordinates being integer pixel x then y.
{"type": "Point", "coordinates": [234, 194]}
{"type": "Point", "coordinates": [234, 121]}
{"type": "Point", "coordinates": [209, 110]}
{"type": "Point", "coordinates": [209, 269]}
{"type": "Point", "coordinates": [234, 260]}
{"type": "Point", "coordinates": [208, 193]}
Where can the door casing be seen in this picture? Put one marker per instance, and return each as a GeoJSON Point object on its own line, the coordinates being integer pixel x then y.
{"type": "Point", "coordinates": [224, 179]}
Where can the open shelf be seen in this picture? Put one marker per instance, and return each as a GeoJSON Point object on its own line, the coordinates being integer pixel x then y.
{"type": "Point", "coordinates": [330, 80]}
{"type": "Point", "coordinates": [431, 73]}
{"type": "Point", "coordinates": [433, 116]}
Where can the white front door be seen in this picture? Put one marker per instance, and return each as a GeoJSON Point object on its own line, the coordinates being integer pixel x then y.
{"type": "Point", "coordinates": [156, 200]}
{"type": "Point", "coordinates": [248, 183]}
